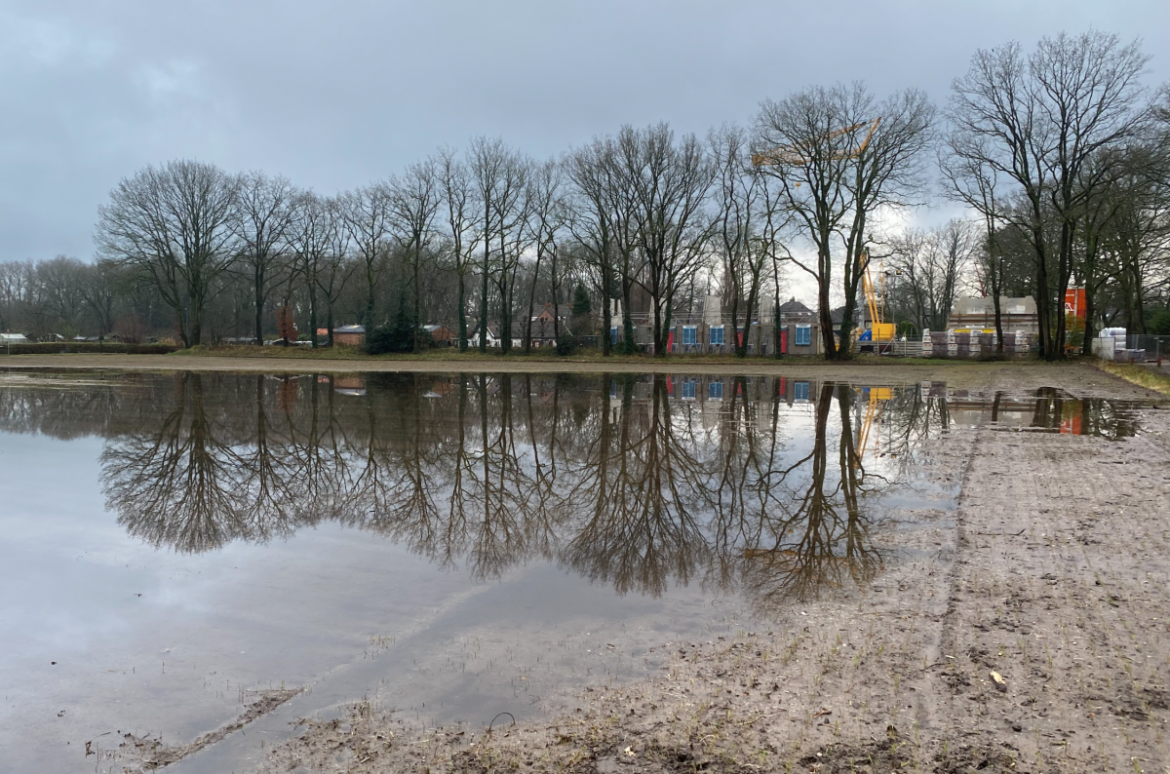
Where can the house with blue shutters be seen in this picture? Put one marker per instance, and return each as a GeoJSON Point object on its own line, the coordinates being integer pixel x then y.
{"type": "Point", "coordinates": [709, 330]}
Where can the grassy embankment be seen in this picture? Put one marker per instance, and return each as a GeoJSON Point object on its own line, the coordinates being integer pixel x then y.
{"type": "Point", "coordinates": [1142, 376]}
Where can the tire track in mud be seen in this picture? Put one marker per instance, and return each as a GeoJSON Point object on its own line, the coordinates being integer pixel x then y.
{"type": "Point", "coordinates": [944, 651]}
{"type": "Point", "coordinates": [1059, 585]}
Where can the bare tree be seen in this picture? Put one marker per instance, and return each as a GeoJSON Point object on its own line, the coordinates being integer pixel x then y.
{"type": "Point", "coordinates": [593, 223]}
{"type": "Point", "coordinates": [263, 218]}
{"type": "Point", "coordinates": [59, 295]}
{"type": "Point", "coordinates": [366, 213]}
{"type": "Point", "coordinates": [1037, 122]}
{"type": "Point", "coordinates": [669, 183]}
{"type": "Point", "coordinates": [15, 278]}
{"type": "Point", "coordinates": [309, 239]}
{"type": "Point", "coordinates": [500, 176]}
{"type": "Point", "coordinates": [413, 200]}
{"type": "Point", "coordinates": [546, 214]}
{"type": "Point", "coordinates": [932, 265]}
{"type": "Point", "coordinates": [969, 179]}
{"type": "Point", "coordinates": [748, 219]}
{"type": "Point", "coordinates": [458, 195]}
{"type": "Point", "coordinates": [338, 267]}
{"type": "Point", "coordinates": [172, 224]}
{"type": "Point", "coordinates": [839, 157]}
{"type": "Point", "coordinates": [100, 287]}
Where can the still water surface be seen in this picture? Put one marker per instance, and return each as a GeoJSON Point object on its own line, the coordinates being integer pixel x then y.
{"type": "Point", "coordinates": [451, 547]}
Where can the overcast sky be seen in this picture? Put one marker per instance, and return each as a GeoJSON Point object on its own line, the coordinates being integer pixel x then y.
{"type": "Point", "coordinates": [334, 95]}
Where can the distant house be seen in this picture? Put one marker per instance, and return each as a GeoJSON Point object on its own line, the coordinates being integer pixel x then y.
{"type": "Point", "coordinates": [800, 331]}
{"type": "Point", "coordinates": [978, 313]}
{"type": "Point", "coordinates": [13, 338]}
{"type": "Point", "coordinates": [546, 313]}
{"type": "Point", "coordinates": [493, 336]}
{"type": "Point", "coordinates": [861, 321]}
{"type": "Point", "coordinates": [544, 321]}
{"type": "Point", "coordinates": [441, 335]}
{"type": "Point", "coordinates": [349, 336]}
{"type": "Point", "coordinates": [543, 332]}
{"type": "Point", "coordinates": [795, 310]}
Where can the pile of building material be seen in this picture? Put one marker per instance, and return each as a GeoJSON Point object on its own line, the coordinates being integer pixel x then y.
{"type": "Point", "coordinates": [965, 344]}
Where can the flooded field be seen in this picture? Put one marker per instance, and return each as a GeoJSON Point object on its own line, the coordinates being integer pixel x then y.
{"type": "Point", "coordinates": [182, 547]}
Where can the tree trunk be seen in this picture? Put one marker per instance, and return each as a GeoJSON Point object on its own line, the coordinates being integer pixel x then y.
{"type": "Point", "coordinates": [824, 311]}
{"type": "Point", "coordinates": [313, 314]}
{"type": "Point", "coordinates": [556, 299]}
{"type": "Point", "coordinates": [629, 343]}
{"type": "Point", "coordinates": [606, 310]}
{"type": "Point", "coordinates": [483, 302]}
{"type": "Point", "coordinates": [258, 280]}
{"type": "Point", "coordinates": [461, 295]}
{"type": "Point", "coordinates": [417, 300]}
{"type": "Point", "coordinates": [531, 302]}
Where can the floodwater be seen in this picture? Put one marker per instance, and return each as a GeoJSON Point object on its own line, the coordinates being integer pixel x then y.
{"type": "Point", "coordinates": [448, 547]}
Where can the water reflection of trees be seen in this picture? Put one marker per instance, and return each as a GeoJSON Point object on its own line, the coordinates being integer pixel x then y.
{"type": "Point", "coordinates": [636, 482]}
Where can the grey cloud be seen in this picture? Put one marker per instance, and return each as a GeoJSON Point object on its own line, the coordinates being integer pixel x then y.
{"type": "Point", "coordinates": [334, 95]}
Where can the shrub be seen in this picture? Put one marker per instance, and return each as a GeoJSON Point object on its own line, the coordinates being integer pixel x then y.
{"type": "Point", "coordinates": [1160, 322]}
{"type": "Point", "coordinates": [566, 344]}
{"type": "Point", "coordinates": [581, 302]}
{"type": "Point", "coordinates": [396, 336]}
{"type": "Point", "coordinates": [87, 347]}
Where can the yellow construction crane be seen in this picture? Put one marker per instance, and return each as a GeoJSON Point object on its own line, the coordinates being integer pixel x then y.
{"type": "Point", "coordinates": [790, 156]}
{"type": "Point", "coordinates": [879, 329]}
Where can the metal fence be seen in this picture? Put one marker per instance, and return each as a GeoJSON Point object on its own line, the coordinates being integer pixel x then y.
{"type": "Point", "coordinates": [1145, 347]}
{"type": "Point", "coordinates": [907, 348]}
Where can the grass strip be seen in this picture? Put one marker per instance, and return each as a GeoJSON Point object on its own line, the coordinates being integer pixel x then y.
{"type": "Point", "coordinates": [544, 355]}
{"type": "Point", "coordinates": [1142, 376]}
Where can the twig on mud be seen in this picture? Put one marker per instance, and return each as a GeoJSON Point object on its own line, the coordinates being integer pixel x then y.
{"type": "Point", "coordinates": [509, 714]}
{"type": "Point", "coordinates": [932, 666]}
{"type": "Point", "coordinates": [1002, 534]}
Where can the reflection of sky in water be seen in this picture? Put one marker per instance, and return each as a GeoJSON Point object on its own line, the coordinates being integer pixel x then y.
{"type": "Point", "coordinates": [71, 576]}
{"type": "Point", "coordinates": [198, 463]}
{"type": "Point", "coordinates": [174, 659]}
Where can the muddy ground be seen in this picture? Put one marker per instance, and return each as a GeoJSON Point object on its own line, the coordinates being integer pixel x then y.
{"type": "Point", "coordinates": [1051, 576]}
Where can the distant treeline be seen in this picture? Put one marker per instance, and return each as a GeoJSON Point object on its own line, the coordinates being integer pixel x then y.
{"type": "Point", "coordinates": [1061, 157]}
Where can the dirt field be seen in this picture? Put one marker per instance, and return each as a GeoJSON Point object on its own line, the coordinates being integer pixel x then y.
{"type": "Point", "coordinates": [1029, 634]}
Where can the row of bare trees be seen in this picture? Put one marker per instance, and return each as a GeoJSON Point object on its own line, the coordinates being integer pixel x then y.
{"type": "Point", "coordinates": [1059, 155]}
{"type": "Point", "coordinates": [1063, 152]}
